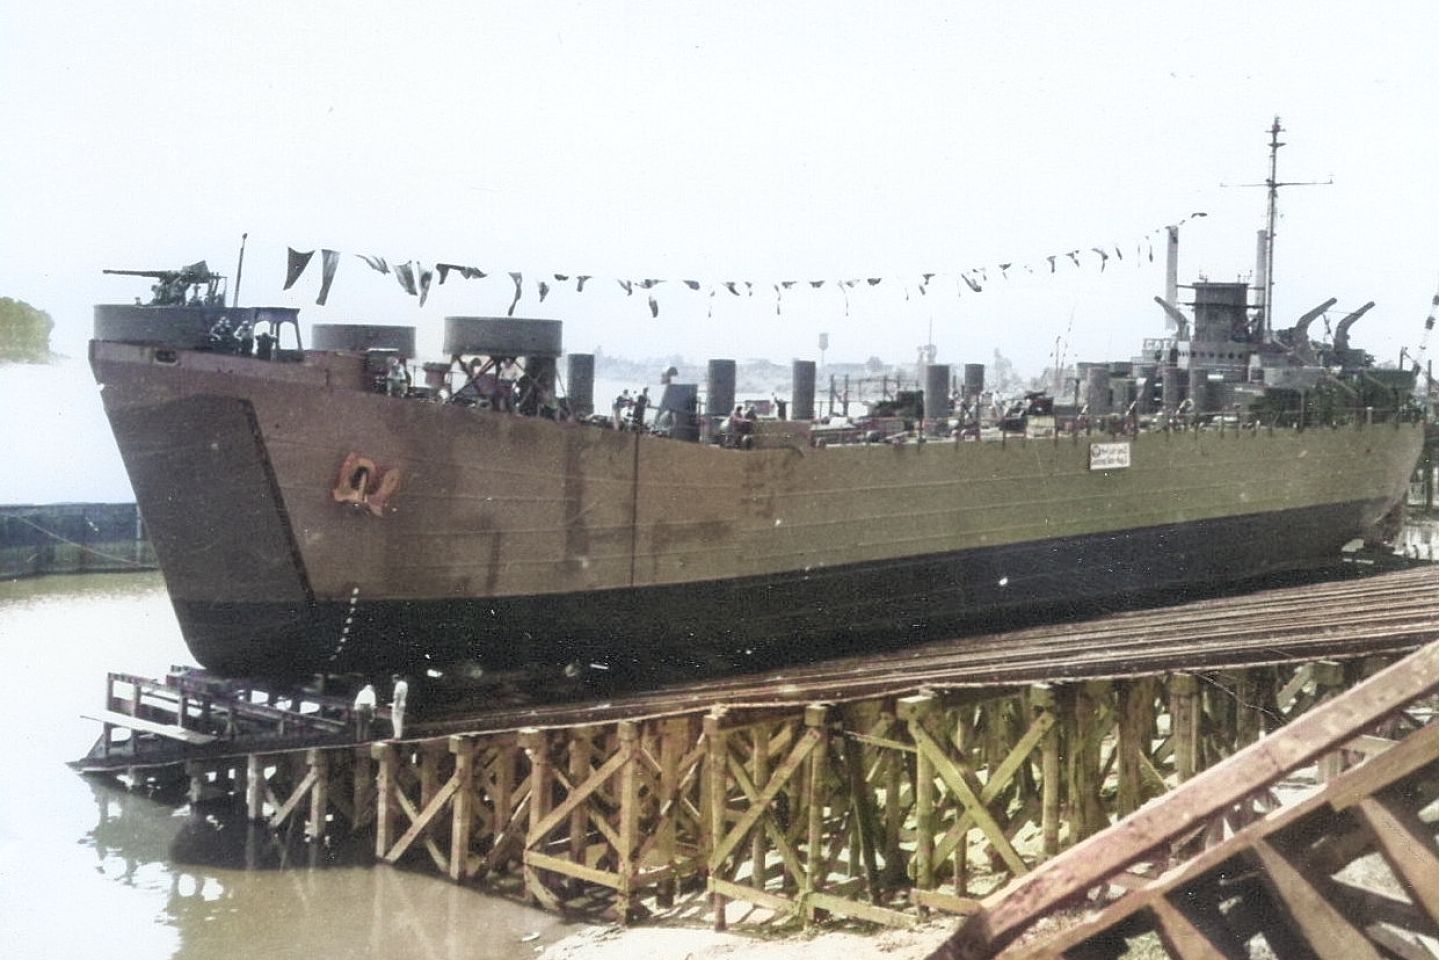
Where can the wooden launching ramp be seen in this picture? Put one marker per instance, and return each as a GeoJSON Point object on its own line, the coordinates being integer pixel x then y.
{"type": "Point", "coordinates": [882, 788]}
{"type": "Point", "coordinates": [1280, 878]}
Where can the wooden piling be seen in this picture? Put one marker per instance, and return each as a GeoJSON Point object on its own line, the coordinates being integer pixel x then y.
{"type": "Point", "coordinates": [629, 815]}
{"type": "Point", "coordinates": [817, 864]}
{"type": "Point", "coordinates": [1042, 703]}
{"type": "Point", "coordinates": [1185, 724]}
{"type": "Point", "coordinates": [913, 711]}
{"type": "Point", "coordinates": [537, 749]}
{"type": "Point", "coordinates": [462, 811]}
{"type": "Point", "coordinates": [717, 751]}
{"type": "Point", "coordinates": [319, 763]}
{"type": "Point", "coordinates": [386, 757]}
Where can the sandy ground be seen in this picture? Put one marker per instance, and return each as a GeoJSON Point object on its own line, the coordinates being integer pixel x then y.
{"type": "Point", "coordinates": [672, 943]}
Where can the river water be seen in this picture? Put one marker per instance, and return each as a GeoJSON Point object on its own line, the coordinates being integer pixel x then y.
{"type": "Point", "coordinates": [89, 869]}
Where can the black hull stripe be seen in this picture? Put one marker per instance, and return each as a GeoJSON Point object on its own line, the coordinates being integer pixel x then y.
{"type": "Point", "coordinates": [804, 614]}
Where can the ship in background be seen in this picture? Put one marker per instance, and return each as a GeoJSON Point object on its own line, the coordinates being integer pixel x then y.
{"type": "Point", "coordinates": [324, 510]}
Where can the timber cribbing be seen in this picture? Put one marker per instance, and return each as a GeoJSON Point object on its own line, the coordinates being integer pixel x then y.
{"type": "Point", "coordinates": [878, 788]}
{"type": "Point", "coordinates": [1384, 613]}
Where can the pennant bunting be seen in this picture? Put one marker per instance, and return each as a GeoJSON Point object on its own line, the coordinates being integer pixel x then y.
{"type": "Point", "coordinates": [405, 276]}
{"type": "Point", "coordinates": [329, 262]}
{"type": "Point", "coordinates": [519, 281]}
{"type": "Point", "coordinates": [415, 278]}
{"type": "Point", "coordinates": [469, 273]}
{"type": "Point", "coordinates": [298, 262]}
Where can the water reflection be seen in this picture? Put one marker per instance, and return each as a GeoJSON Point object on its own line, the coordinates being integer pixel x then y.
{"type": "Point", "coordinates": [86, 865]}
{"type": "Point", "coordinates": [230, 886]}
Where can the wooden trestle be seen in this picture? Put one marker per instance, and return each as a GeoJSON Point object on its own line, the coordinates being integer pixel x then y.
{"type": "Point", "coordinates": [882, 809]}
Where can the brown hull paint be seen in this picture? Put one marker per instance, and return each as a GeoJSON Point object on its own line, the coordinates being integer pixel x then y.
{"type": "Point", "coordinates": [237, 458]}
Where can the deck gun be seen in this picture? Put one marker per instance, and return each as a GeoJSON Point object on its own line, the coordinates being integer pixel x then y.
{"type": "Point", "coordinates": [192, 285]}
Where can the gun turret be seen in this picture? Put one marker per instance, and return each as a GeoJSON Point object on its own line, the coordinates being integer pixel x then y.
{"type": "Point", "coordinates": [182, 286]}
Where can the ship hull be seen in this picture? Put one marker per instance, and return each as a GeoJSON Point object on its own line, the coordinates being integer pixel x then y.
{"type": "Point", "coordinates": [773, 617]}
{"type": "Point", "coordinates": [509, 540]}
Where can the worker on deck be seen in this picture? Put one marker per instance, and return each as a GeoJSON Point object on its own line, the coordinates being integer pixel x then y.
{"type": "Point", "coordinates": [397, 706]}
{"type": "Point", "coordinates": [364, 712]}
{"type": "Point", "coordinates": [397, 378]}
{"type": "Point", "coordinates": [642, 402]}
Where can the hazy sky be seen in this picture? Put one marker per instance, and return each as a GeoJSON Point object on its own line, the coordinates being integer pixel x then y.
{"type": "Point", "coordinates": [728, 141]}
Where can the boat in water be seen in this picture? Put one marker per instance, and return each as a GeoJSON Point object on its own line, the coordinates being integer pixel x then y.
{"type": "Point", "coordinates": [340, 509]}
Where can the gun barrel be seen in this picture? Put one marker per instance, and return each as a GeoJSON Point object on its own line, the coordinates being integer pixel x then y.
{"type": "Point", "coordinates": [155, 274]}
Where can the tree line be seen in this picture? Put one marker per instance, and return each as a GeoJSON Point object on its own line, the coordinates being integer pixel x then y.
{"type": "Point", "coordinates": [24, 332]}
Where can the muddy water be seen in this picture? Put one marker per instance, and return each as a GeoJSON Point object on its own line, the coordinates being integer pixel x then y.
{"type": "Point", "coordinates": [88, 869]}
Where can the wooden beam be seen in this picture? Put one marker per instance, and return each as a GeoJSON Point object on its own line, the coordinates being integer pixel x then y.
{"type": "Point", "coordinates": [862, 911]}
{"type": "Point", "coordinates": [759, 773]}
{"type": "Point", "coordinates": [536, 745]}
{"type": "Point", "coordinates": [462, 819]}
{"type": "Point", "coordinates": [169, 731]}
{"type": "Point", "coordinates": [972, 804]}
{"type": "Point", "coordinates": [299, 793]}
{"type": "Point", "coordinates": [783, 844]}
{"type": "Point", "coordinates": [1181, 936]}
{"type": "Point", "coordinates": [629, 814]}
{"type": "Point", "coordinates": [1042, 703]}
{"type": "Point", "coordinates": [420, 821]}
{"type": "Point", "coordinates": [817, 864]}
{"type": "Point", "coordinates": [255, 786]}
{"type": "Point", "coordinates": [319, 762]}
{"type": "Point", "coordinates": [1329, 933]}
{"type": "Point", "coordinates": [385, 786]}
{"type": "Point", "coordinates": [577, 797]}
{"type": "Point", "coordinates": [867, 825]}
{"type": "Point", "coordinates": [1010, 909]}
{"type": "Point", "coordinates": [717, 752]}
{"type": "Point", "coordinates": [1408, 846]}
{"type": "Point", "coordinates": [726, 846]}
